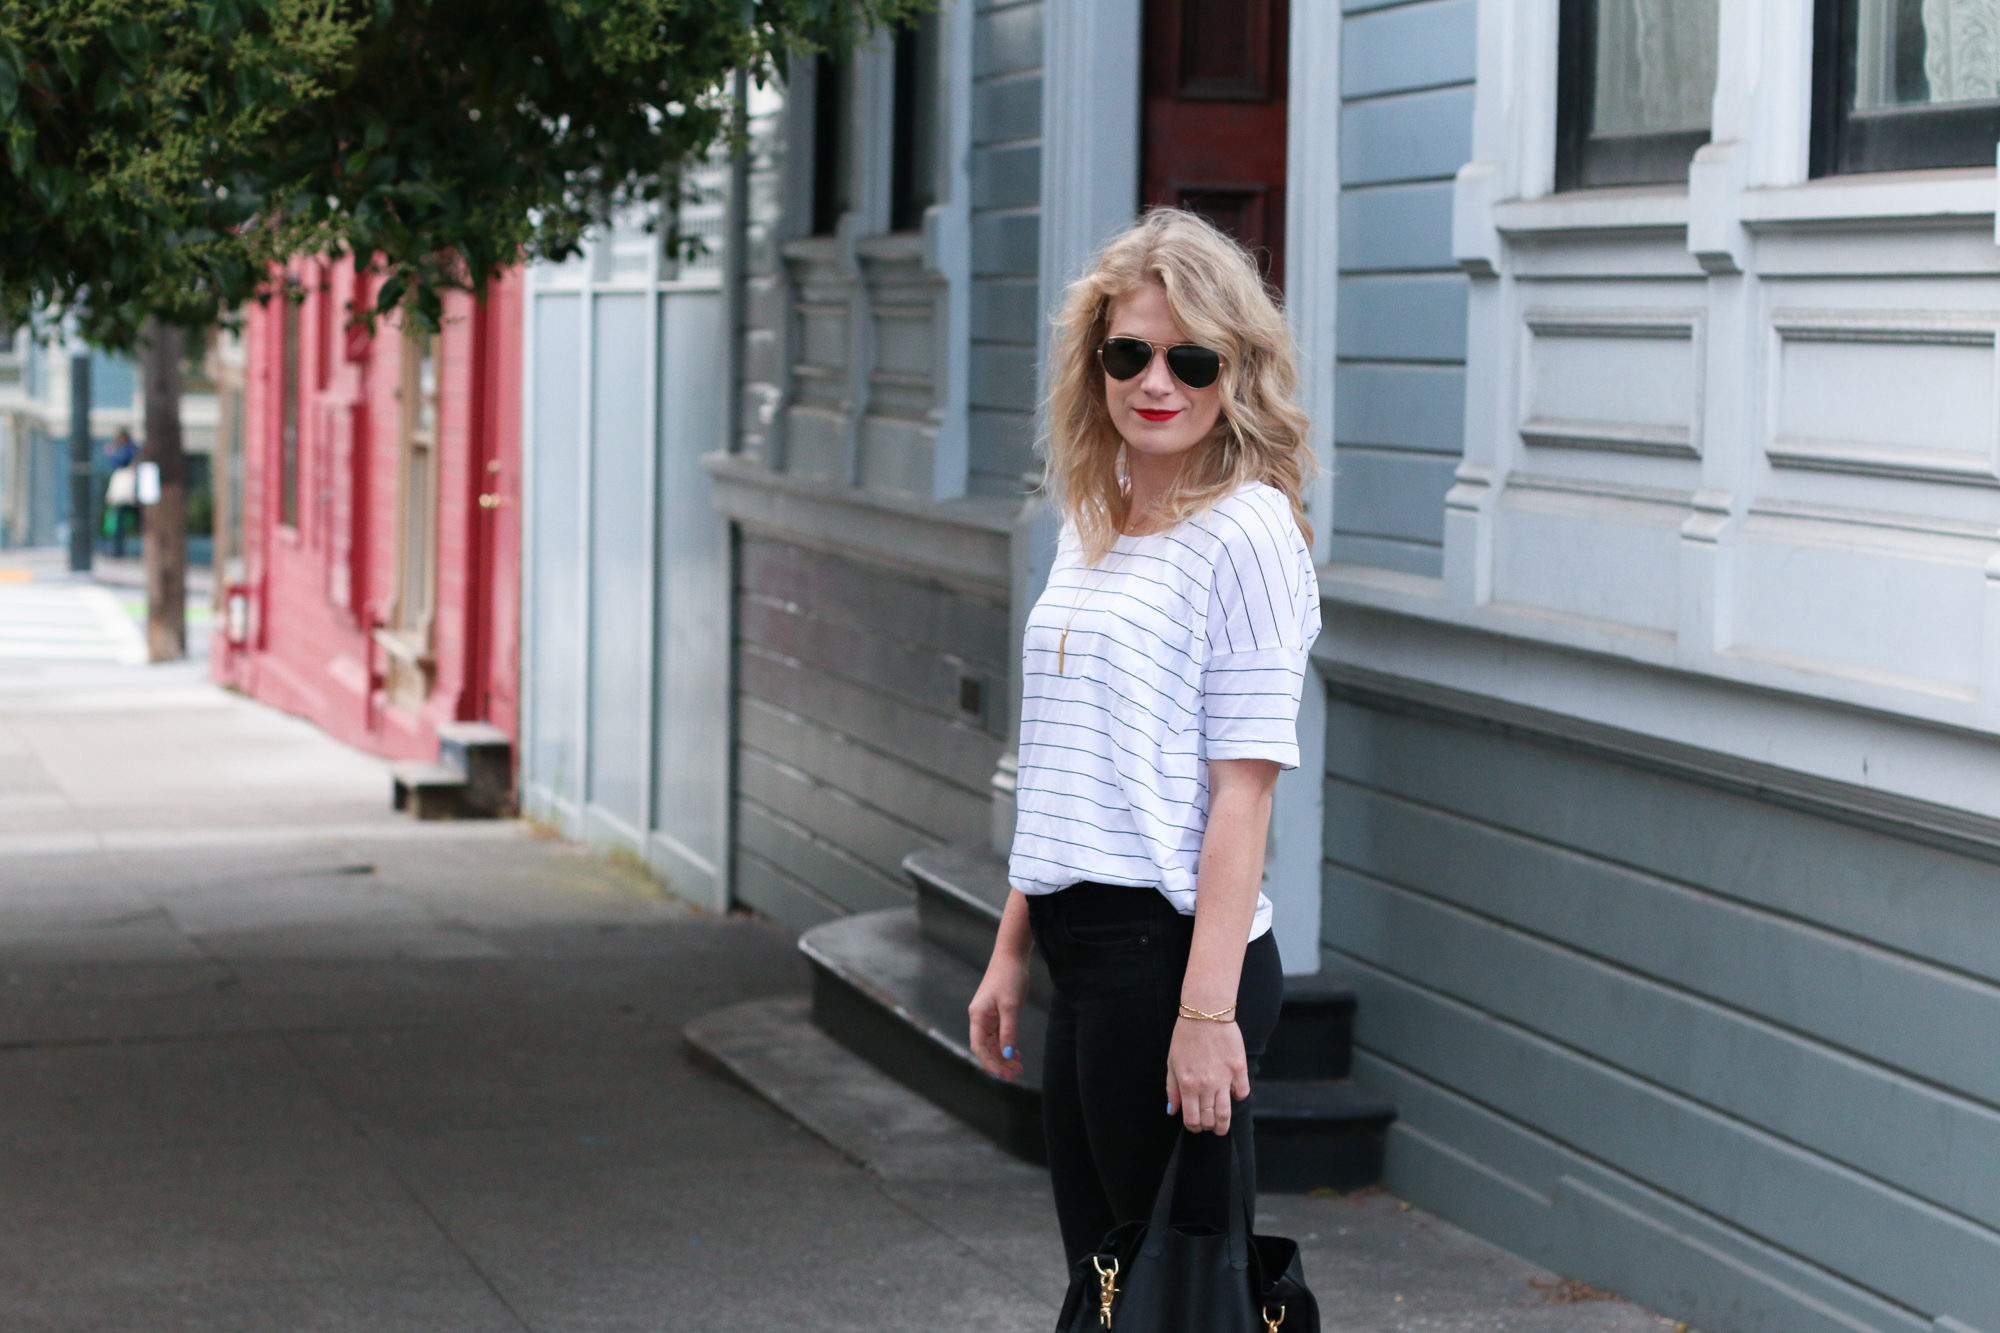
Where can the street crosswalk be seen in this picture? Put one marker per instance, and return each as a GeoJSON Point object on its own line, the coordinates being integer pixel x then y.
{"type": "Point", "coordinates": [66, 623]}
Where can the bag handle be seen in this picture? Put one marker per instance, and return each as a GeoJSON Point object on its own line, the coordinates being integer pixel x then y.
{"type": "Point", "coordinates": [1238, 1205]}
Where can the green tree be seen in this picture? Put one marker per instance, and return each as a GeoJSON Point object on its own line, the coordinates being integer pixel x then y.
{"type": "Point", "coordinates": [161, 155]}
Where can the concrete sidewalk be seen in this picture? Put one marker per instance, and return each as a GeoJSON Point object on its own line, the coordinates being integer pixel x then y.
{"type": "Point", "coordinates": [273, 1060]}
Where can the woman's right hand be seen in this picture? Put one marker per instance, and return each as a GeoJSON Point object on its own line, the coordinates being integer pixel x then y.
{"type": "Point", "coordinates": [996, 1016]}
{"type": "Point", "coordinates": [996, 1009]}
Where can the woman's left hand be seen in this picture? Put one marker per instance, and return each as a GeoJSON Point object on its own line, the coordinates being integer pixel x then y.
{"type": "Point", "coordinates": [1207, 1073]}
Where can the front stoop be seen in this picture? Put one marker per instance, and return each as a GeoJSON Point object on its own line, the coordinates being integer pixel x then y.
{"type": "Point", "coordinates": [473, 777]}
{"type": "Point", "coordinates": [893, 986]}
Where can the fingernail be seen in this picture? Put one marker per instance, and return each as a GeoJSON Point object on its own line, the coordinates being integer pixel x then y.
{"type": "Point", "coordinates": [1170, 1108]}
{"type": "Point", "coordinates": [1006, 1052]}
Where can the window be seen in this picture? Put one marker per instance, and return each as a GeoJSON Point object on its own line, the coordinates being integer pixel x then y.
{"type": "Point", "coordinates": [408, 634]}
{"type": "Point", "coordinates": [914, 148]}
{"type": "Point", "coordinates": [288, 397]}
{"type": "Point", "coordinates": [416, 562]}
{"type": "Point", "coordinates": [1902, 84]}
{"type": "Point", "coordinates": [833, 143]}
{"type": "Point", "coordinates": [1636, 79]}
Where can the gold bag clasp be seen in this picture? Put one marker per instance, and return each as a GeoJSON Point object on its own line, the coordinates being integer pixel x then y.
{"type": "Point", "coordinates": [1107, 1287]}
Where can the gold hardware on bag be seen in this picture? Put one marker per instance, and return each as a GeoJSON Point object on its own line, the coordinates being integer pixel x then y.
{"type": "Point", "coordinates": [1107, 1287]}
{"type": "Point", "coordinates": [1270, 1324]}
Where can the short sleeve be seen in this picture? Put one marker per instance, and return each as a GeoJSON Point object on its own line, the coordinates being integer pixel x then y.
{"type": "Point", "coordinates": [1263, 617]}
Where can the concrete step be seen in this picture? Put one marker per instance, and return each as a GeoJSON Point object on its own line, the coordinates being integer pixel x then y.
{"type": "Point", "coordinates": [961, 890]}
{"type": "Point", "coordinates": [430, 791]}
{"type": "Point", "coordinates": [484, 754]}
{"type": "Point", "coordinates": [898, 999]}
{"type": "Point", "coordinates": [901, 1006]}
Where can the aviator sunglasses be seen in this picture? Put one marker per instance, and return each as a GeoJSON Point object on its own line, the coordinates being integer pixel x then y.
{"type": "Point", "coordinates": [1196, 367]}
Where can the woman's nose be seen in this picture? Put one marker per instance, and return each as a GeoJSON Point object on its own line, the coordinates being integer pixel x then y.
{"type": "Point", "coordinates": [1158, 379]}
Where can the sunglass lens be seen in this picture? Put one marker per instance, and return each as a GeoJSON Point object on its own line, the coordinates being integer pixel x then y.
{"type": "Point", "coordinates": [1196, 367]}
{"type": "Point", "coordinates": [1123, 358]}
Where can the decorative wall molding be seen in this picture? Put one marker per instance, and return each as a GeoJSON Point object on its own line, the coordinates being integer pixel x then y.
{"type": "Point", "coordinates": [1961, 831]}
{"type": "Point", "coordinates": [969, 540]}
{"type": "Point", "coordinates": [1663, 441]}
{"type": "Point", "coordinates": [1583, 327]}
{"type": "Point", "coordinates": [1902, 460]}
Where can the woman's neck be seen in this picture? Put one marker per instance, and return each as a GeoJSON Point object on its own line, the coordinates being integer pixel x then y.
{"type": "Point", "coordinates": [1148, 477]}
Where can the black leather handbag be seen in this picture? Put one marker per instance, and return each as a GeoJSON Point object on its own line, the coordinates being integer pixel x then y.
{"type": "Point", "coordinates": [1155, 1277]}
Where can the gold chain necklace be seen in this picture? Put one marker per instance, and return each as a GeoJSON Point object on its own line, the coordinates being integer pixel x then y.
{"type": "Point", "coordinates": [1062, 643]}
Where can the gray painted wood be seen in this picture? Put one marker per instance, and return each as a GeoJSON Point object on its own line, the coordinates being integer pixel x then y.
{"type": "Point", "coordinates": [947, 750]}
{"type": "Point", "coordinates": [1424, 45]}
{"type": "Point", "coordinates": [621, 573]}
{"type": "Point", "coordinates": [556, 625]}
{"type": "Point", "coordinates": [1928, 903]}
{"type": "Point", "coordinates": [1396, 227]}
{"type": "Point", "coordinates": [1007, 39]}
{"type": "Point", "coordinates": [1856, 996]}
{"type": "Point", "coordinates": [1005, 244]}
{"type": "Point", "coordinates": [1915, 1255]}
{"type": "Point", "coordinates": [1404, 317]}
{"type": "Point", "coordinates": [1003, 377]}
{"type": "Point", "coordinates": [941, 810]}
{"type": "Point", "coordinates": [860, 831]}
{"type": "Point", "coordinates": [1009, 176]}
{"type": "Point", "coordinates": [1003, 451]}
{"type": "Point", "coordinates": [1405, 557]}
{"type": "Point", "coordinates": [763, 887]}
{"type": "Point", "coordinates": [1406, 137]}
{"type": "Point", "coordinates": [1938, 1147]}
{"type": "Point", "coordinates": [1404, 407]}
{"type": "Point", "coordinates": [1007, 106]}
{"type": "Point", "coordinates": [1501, 1179]}
{"type": "Point", "coordinates": [914, 673]}
{"type": "Point", "coordinates": [834, 875]}
{"type": "Point", "coordinates": [893, 604]}
{"type": "Point", "coordinates": [1005, 310]}
{"type": "Point", "coordinates": [1657, 1033]}
{"type": "Point", "coordinates": [1381, 493]}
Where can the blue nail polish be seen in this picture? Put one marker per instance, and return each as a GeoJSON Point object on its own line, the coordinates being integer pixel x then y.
{"type": "Point", "coordinates": [1170, 1108]}
{"type": "Point", "coordinates": [1006, 1052]}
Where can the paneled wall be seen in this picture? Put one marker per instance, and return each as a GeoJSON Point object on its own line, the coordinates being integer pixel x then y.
{"type": "Point", "coordinates": [627, 570]}
{"type": "Point", "coordinates": [1406, 127]}
{"type": "Point", "coordinates": [871, 646]}
{"type": "Point", "coordinates": [1734, 1057]}
{"type": "Point", "coordinates": [869, 709]}
{"type": "Point", "coordinates": [1006, 211]}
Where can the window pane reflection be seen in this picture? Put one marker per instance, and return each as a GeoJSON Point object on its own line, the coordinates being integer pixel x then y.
{"type": "Point", "coordinates": [1655, 65]}
{"type": "Point", "coordinates": [1926, 53]}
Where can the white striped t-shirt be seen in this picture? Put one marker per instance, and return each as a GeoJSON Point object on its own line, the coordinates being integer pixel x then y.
{"type": "Point", "coordinates": [1182, 647]}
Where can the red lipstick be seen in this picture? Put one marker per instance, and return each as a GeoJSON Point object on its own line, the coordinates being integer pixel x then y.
{"type": "Point", "coordinates": [1157, 413]}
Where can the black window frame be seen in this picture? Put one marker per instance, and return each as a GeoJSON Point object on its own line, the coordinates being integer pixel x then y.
{"type": "Point", "coordinates": [913, 184]}
{"type": "Point", "coordinates": [832, 73]}
{"type": "Point", "coordinates": [1908, 138]}
{"type": "Point", "coordinates": [1587, 162]}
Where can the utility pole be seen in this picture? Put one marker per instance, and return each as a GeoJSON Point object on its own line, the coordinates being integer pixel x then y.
{"type": "Point", "coordinates": [166, 519]}
{"type": "Point", "coordinates": [82, 531]}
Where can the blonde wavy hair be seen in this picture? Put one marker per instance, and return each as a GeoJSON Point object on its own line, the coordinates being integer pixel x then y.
{"type": "Point", "coordinates": [1219, 299]}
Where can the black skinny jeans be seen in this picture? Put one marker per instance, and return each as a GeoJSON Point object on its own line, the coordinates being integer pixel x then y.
{"type": "Point", "coordinates": [1117, 955]}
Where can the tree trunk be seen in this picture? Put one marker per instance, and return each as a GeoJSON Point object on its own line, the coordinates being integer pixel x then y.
{"type": "Point", "coordinates": [166, 520]}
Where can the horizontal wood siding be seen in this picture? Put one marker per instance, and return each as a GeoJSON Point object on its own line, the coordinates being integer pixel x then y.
{"type": "Point", "coordinates": [1006, 171]}
{"type": "Point", "coordinates": [1406, 128]}
{"type": "Point", "coordinates": [1737, 1060]}
{"type": "Point", "coordinates": [856, 744]}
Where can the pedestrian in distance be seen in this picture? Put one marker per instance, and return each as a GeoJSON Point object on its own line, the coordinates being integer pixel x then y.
{"type": "Point", "coordinates": [1162, 671]}
{"type": "Point", "coordinates": [121, 491]}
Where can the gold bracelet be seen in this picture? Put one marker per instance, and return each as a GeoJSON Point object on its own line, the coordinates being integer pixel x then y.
{"type": "Point", "coordinates": [1219, 1016]}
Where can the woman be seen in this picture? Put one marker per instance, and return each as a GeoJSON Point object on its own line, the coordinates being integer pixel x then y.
{"type": "Point", "coordinates": [1162, 667]}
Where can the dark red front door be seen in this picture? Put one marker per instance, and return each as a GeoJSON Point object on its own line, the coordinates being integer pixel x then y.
{"type": "Point", "coordinates": [1215, 117]}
